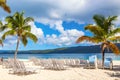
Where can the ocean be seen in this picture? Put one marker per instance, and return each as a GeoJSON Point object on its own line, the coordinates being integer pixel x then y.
{"type": "Point", "coordinates": [84, 56]}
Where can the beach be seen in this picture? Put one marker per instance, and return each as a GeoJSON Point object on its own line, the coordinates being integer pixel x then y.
{"type": "Point", "coordinates": [71, 73]}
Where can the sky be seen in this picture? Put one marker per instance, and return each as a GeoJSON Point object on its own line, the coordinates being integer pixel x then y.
{"type": "Point", "coordinates": [58, 23]}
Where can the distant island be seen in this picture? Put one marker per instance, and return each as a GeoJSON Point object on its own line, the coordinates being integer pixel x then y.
{"type": "Point", "coordinates": [78, 49]}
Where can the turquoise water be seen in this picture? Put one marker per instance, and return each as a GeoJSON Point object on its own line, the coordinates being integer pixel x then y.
{"type": "Point", "coordinates": [59, 56]}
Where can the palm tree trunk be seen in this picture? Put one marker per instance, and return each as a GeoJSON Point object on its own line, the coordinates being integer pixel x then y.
{"type": "Point", "coordinates": [103, 55]}
{"type": "Point", "coordinates": [18, 41]}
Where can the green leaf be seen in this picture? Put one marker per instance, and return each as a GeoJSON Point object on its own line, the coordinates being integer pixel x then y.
{"type": "Point", "coordinates": [2, 27]}
{"type": "Point", "coordinates": [27, 20]}
{"type": "Point", "coordinates": [1, 43]}
{"type": "Point", "coordinates": [1, 23]}
{"type": "Point", "coordinates": [24, 40]}
{"type": "Point", "coordinates": [97, 31]}
{"type": "Point", "coordinates": [88, 38]}
{"type": "Point", "coordinates": [27, 28]}
{"type": "Point", "coordinates": [99, 19]}
{"type": "Point", "coordinates": [31, 36]}
{"type": "Point", "coordinates": [114, 48]}
{"type": "Point", "coordinates": [114, 32]}
{"type": "Point", "coordinates": [10, 32]}
{"type": "Point", "coordinates": [5, 6]}
{"type": "Point", "coordinates": [114, 38]}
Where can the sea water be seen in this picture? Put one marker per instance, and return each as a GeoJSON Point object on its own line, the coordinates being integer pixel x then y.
{"type": "Point", "coordinates": [84, 56]}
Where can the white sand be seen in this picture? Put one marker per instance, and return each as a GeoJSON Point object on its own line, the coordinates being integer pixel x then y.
{"type": "Point", "coordinates": [69, 74]}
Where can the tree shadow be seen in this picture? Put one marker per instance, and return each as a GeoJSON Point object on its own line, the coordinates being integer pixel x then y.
{"type": "Point", "coordinates": [115, 72]}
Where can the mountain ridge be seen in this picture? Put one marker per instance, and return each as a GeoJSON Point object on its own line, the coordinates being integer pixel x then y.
{"type": "Point", "coordinates": [77, 49]}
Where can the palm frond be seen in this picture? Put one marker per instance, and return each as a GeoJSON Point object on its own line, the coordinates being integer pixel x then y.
{"type": "Point", "coordinates": [95, 30]}
{"type": "Point", "coordinates": [12, 23]}
{"type": "Point", "coordinates": [16, 18]}
{"type": "Point", "coordinates": [99, 19]}
{"type": "Point", "coordinates": [28, 19]}
{"type": "Point", "coordinates": [24, 40]}
{"type": "Point", "coordinates": [113, 32]}
{"type": "Point", "coordinates": [104, 23]}
{"type": "Point", "coordinates": [112, 18]}
{"type": "Point", "coordinates": [10, 32]}
{"type": "Point", "coordinates": [27, 28]}
{"type": "Point", "coordinates": [109, 21]}
{"type": "Point", "coordinates": [8, 18]}
{"type": "Point", "coordinates": [2, 27]}
{"type": "Point", "coordinates": [2, 1]}
{"type": "Point", "coordinates": [114, 38]}
{"type": "Point", "coordinates": [1, 23]}
{"type": "Point", "coordinates": [5, 7]}
{"type": "Point", "coordinates": [21, 18]}
{"type": "Point", "coordinates": [31, 36]}
{"type": "Point", "coordinates": [114, 48]}
{"type": "Point", "coordinates": [87, 38]}
{"type": "Point", "coordinates": [16, 14]}
{"type": "Point", "coordinates": [1, 42]}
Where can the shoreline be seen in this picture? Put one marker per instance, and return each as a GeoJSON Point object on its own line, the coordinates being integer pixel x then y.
{"type": "Point", "coordinates": [55, 58]}
{"type": "Point", "coordinates": [59, 56]}
{"type": "Point", "coordinates": [71, 73]}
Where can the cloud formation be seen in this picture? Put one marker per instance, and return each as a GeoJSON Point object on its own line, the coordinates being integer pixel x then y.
{"type": "Point", "coordinates": [75, 10]}
{"type": "Point", "coordinates": [66, 38]}
{"type": "Point", "coordinates": [36, 31]}
{"type": "Point", "coordinates": [54, 12]}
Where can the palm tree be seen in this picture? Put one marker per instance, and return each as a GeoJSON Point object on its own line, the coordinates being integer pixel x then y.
{"type": "Point", "coordinates": [18, 26]}
{"type": "Point", "coordinates": [1, 29]}
{"type": "Point", "coordinates": [5, 6]}
{"type": "Point", "coordinates": [103, 33]}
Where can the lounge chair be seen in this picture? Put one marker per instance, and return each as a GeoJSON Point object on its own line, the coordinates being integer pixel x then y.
{"type": "Point", "coordinates": [73, 62]}
{"type": "Point", "coordinates": [54, 64]}
{"type": "Point", "coordinates": [92, 62]}
{"type": "Point", "coordinates": [19, 68]}
{"type": "Point", "coordinates": [8, 63]}
{"type": "Point", "coordinates": [108, 63]}
{"type": "Point", "coordinates": [36, 61]}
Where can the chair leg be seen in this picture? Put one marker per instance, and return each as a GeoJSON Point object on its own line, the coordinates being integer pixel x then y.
{"type": "Point", "coordinates": [111, 66]}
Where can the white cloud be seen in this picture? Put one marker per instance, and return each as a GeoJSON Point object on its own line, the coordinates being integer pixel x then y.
{"type": "Point", "coordinates": [54, 15]}
{"type": "Point", "coordinates": [54, 24]}
{"type": "Point", "coordinates": [64, 39]}
{"type": "Point", "coordinates": [80, 11]}
{"type": "Point", "coordinates": [36, 31]}
{"type": "Point", "coordinates": [10, 41]}
{"type": "Point", "coordinates": [76, 10]}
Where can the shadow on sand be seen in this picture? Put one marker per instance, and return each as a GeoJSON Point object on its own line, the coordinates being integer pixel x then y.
{"type": "Point", "coordinates": [115, 72]}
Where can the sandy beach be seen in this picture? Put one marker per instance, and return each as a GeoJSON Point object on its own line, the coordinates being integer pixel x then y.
{"type": "Point", "coordinates": [70, 73]}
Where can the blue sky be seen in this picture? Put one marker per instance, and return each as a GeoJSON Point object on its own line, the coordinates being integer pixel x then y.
{"type": "Point", "coordinates": [58, 23]}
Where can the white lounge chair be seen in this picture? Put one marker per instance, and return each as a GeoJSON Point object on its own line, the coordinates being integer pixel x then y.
{"type": "Point", "coordinates": [19, 68]}
{"type": "Point", "coordinates": [92, 62]}
{"type": "Point", "coordinates": [108, 63]}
